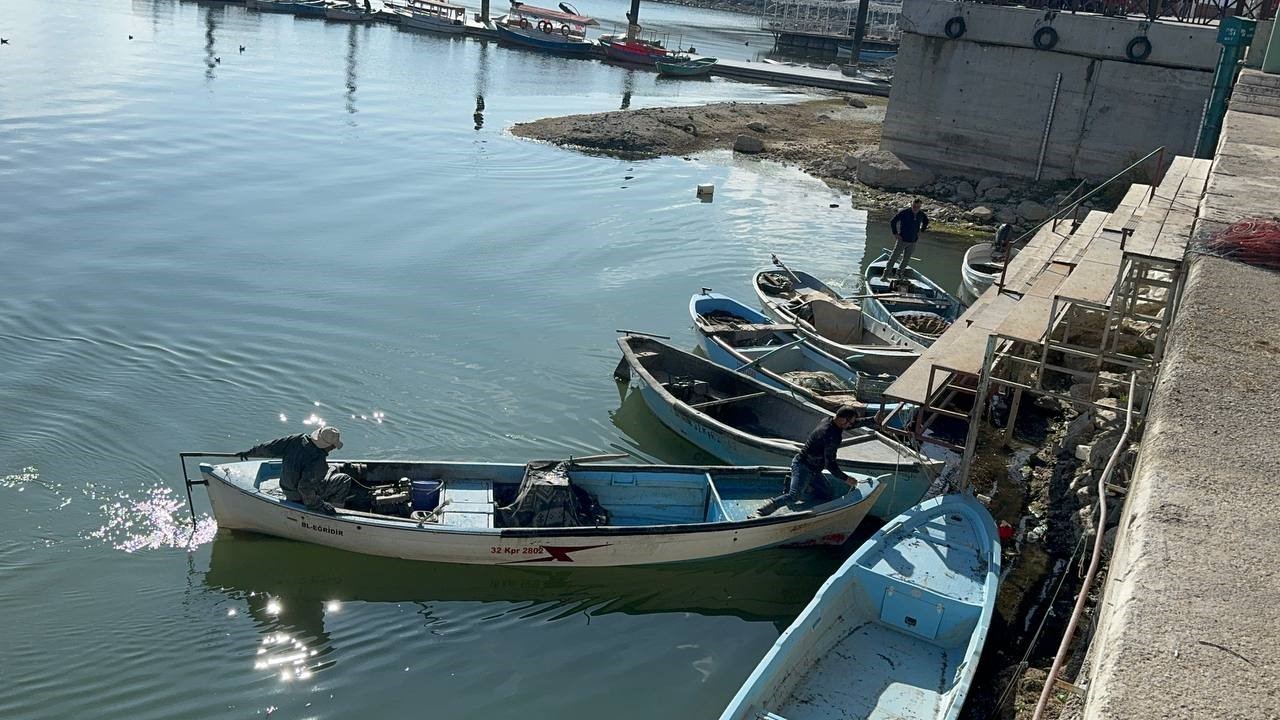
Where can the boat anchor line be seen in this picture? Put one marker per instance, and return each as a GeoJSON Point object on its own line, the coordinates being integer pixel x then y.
{"type": "Point", "coordinates": [556, 553]}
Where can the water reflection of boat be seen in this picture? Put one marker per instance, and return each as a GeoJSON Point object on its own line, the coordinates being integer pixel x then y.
{"type": "Point", "coordinates": [768, 586]}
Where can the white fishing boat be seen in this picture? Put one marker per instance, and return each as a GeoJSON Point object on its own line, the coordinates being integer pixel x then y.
{"type": "Point", "coordinates": [431, 15]}
{"type": "Point", "coordinates": [979, 269]}
{"type": "Point", "coordinates": [550, 513]}
{"type": "Point", "coordinates": [910, 302]}
{"type": "Point", "coordinates": [741, 420]}
{"type": "Point", "coordinates": [836, 324]}
{"type": "Point", "coordinates": [895, 633]}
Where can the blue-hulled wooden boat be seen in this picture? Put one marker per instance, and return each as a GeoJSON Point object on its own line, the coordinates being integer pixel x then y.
{"type": "Point", "coordinates": [544, 514]}
{"type": "Point", "coordinates": [838, 325]}
{"type": "Point", "coordinates": [913, 305]}
{"type": "Point", "coordinates": [743, 421]}
{"type": "Point", "coordinates": [895, 633]}
{"type": "Point", "coordinates": [744, 339]}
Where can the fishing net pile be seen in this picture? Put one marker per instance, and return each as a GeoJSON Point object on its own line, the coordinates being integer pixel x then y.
{"type": "Point", "coordinates": [548, 499]}
{"type": "Point", "coordinates": [724, 317]}
{"type": "Point", "coordinates": [776, 283]}
{"type": "Point", "coordinates": [925, 323]}
{"type": "Point", "coordinates": [1254, 241]}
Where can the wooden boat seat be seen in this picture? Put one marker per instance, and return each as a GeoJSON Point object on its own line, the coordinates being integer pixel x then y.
{"type": "Point", "coordinates": [467, 503]}
{"type": "Point", "coordinates": [837, 322]}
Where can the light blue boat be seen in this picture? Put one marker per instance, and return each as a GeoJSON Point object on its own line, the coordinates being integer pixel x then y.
{"type": "Point", "coordinates": [746, 340]}
{"type": "Point", "coordinates": [743, 421]}
{"type": "Point", "coordinates": [914, 305]}
{"type": "Point", "coordinates": [895, 633]}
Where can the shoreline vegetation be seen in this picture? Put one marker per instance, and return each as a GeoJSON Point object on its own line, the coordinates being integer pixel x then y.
{"type": "Point", "coordinates": [833, 138]}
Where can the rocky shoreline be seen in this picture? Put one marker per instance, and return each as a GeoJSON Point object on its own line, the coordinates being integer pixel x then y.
{"type": "Point", "coordinates": [834, 138]}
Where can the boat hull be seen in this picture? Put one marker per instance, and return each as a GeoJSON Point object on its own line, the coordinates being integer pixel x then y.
{"type": "Point", "coordinates": [893, 356]}
{"type": "Point", "coordinates": [693, 68]}
{"type": "Point", "coordinates": [926, 296]}
{"type": "Point", "coordinates": [896, 632]}
{"type": "Point", "coordinates": [547, 42]}
{"type": "Point", "coordinates": [634, 53]}
{"type": "Point", "coordinates": [237, 506]}
{"type": "Point", "coordinates": [802, 356]}
{"type": "Point", "coordinates": [901, 469]}
{"type": "Point", "coordinates": [975, 279]}
{"type": "Point", "coordinates": [432, 24]}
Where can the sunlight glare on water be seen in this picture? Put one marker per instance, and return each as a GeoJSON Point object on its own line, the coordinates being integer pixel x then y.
{"type": "Point", "coordinates": [159, 519]}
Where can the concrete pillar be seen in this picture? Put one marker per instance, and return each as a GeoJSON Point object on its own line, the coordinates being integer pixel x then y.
{"type": "Point", "coordinates": [1271, 63]}
{"type": "Point", "coordinates": [1258, 48]}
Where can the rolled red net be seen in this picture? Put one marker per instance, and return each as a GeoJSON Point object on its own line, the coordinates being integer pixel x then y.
{"type": "Point", "coordinates": [1254, 241]}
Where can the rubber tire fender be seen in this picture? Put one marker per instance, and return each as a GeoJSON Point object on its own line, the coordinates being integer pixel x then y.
{"type": "Point", "coordinates": [564, 29]}
{"type": "Point", "coordinates": [1045, 38]}
{"type": "Point", "coordinates": [545, 26]}
{"type": "Point", "coordinates": [954, 28]}
{"type": "Point", "coordinates": [524, 23]}
{"type": "Point", "coordinates": [1138, 49]}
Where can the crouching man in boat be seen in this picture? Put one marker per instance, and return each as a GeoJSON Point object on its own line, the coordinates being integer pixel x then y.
{"type": "Point", "coordinates": [305, 475]}
{"type": "Point", "coordinates": [818, 453]}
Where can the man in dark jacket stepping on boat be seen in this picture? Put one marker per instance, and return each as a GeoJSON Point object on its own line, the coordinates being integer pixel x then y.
{"type": "Point", "coordinates": [305, 475]}
{"type": "Point", "coordinates": [906, 227]}
{"type": "Point", "coordinates": [819, 452]}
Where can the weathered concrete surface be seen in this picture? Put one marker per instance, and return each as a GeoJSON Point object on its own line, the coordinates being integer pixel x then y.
{"type": "Point", "coordinates": [1189, 626]}
{"type": "Point", "coordinates": [980, 102]}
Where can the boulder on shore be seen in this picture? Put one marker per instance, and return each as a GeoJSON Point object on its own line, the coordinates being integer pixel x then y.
{"type": "Point", "coordinates": [1032, 210]}
{"type": "Point", "coordinates": [855, 101]}
{"type": "Point", "coordinates": [996, 193]}
{"type": "Point", "coordinates": [987, 183]}
{"type": "Point", "coordinates": [758, 126]}
{"type": "Point", "coordinates": [964, 191]}
{"type": "Point", "coordinates": [883, 169]}
{"type": "Point", "coordinates": [982, 214]}
{"type": "Point", "coordinates": [749, 144]}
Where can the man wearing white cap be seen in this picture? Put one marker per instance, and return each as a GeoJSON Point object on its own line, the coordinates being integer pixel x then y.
{"type": "Point", "coordinates": [305, 475]}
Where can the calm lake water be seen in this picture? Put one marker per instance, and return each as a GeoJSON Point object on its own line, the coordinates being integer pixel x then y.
{"type": "Point", "coordinates": [203, 249]}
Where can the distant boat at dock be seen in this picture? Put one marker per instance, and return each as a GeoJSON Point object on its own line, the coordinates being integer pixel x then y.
{"type": "Point", "coordinates": [634, 50]}
{"type": "Point", "coordinates": [558, 31]}
{"type": "Point", "coordinates": [431, 15]}
{"type": "Point", "coordinates": [682, 66]}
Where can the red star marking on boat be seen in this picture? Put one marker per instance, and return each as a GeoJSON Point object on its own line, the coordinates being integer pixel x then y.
{"type": "Point", "coordinates": [557, 553]}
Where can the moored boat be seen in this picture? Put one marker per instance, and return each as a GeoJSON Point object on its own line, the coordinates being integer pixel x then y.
{"type": "Point", "coordinates": [911, 303]}
{"type": "Point", "coordinates": [896, 632]}
{"type": "Point", "coordinates": [549, 30]}
{"type": "Point", "coordinates": [743, 339]}
{"type": "Point", "coordinates": [348, 11]}
{"type": "Point", "coordinates": [678, 67]}
{"type": "Point", "coordinates": [979, 269]}
{"type": "Point", "coordinates": [743, 421]}
{"type": "Point", "coordinates": [633, 50]}
{"type": "Point", "coordinates": [431, 15]}
{"type": "Point", "coordinates": [552, 513]}
{"type": "Point", "coordinates": [833, 323]}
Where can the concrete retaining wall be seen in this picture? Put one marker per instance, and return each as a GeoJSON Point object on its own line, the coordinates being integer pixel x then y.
{"type": "Point", "coordinates": [980, 102]}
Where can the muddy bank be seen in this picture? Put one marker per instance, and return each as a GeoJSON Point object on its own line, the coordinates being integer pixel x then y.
{"type": "Point", "coordinates": [833, 138]}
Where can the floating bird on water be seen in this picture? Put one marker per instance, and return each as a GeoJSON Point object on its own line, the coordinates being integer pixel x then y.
{"type": "Point", "coordinates": [241, 48]}
{"type": "Point", "coordinates": [4, 41]}
{"type": "Point", "coordinates": [130, 37]}
{"type": "Point", "coordinates": [217, 59]}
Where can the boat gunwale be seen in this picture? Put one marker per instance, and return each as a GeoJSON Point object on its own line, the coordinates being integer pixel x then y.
{"type": "Point", "coordinates": [807, 328]}
{"type": "Point", "coordinates": [839, 505]}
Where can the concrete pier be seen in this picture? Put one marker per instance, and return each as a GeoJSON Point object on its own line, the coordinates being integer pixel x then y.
{"type": "Point", "coordinates": [1017, 90]}
{"type": "Point", "coordinates": [1189, 627]}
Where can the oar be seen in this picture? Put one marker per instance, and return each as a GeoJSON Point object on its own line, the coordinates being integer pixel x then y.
{"type": "Point", "coordinates": [762, 357]}
{"type": "Point", "coordinates": [780, 264]}
{"type": "Point", "coordinates": [598, 458]}
{"type": "Point", "coordinates": [643, 334]}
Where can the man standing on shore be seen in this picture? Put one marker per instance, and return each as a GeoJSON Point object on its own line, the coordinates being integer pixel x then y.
{"type": "Point", "coordinates": [906, 226]}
